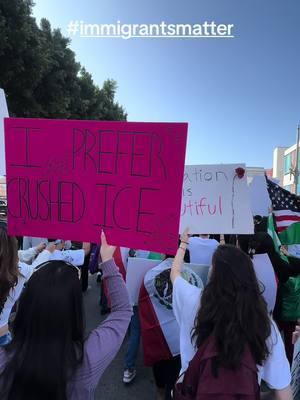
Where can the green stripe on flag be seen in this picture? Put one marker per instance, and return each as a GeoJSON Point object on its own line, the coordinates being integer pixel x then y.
{"type": "Point", "coordinates": [272, 232]}
{"type": "Point", "coordinates": [291, 235]}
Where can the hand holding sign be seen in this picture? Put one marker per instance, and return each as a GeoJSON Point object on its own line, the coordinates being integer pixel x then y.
{"type": "Point", "coordinates": [51, 247]}
{"type": "Point", "coordinates": [106, 250]}
{"type": "Point", "coordinates": [39, 248]}
{"type": "Point", "coordinates": [184, 238]}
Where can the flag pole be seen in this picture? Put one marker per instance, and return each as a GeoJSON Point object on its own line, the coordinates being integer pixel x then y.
{"type": "Point", "coordinates": [296, 175]}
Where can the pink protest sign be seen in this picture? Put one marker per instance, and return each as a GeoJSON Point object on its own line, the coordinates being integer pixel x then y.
{"type": "Point", "coordinates": [69, 179]}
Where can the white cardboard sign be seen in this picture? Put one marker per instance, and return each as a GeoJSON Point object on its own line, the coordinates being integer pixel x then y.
{"type": "Point", "coordinates": [259, 197]}
{"type": "Point", "coordinates": [215, 200]}
{"type": "Point", "coordinates": [136, 271]}
{"type": "Point", "coordinates": [3, 114]}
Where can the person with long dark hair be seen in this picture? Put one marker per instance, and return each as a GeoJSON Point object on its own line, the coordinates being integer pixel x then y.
{"type": "Point", "coordinates": [48, 357]}
{"type": "Point", "coordinates": [231, 311]}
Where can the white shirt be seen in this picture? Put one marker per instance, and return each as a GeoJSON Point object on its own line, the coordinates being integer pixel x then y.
{"type": "Point", "coordinates": [186, 299]}
{"type": "Point", "coordinates": [202, 250]}
{"type": "Point", "coordinates": [266, 278]}
{"type": "Point", "coordinates": [27, 256]}
{"type": "Point", "coordinates": [25, 271]}
{"type": "Point", "coordinates": [75, 257]}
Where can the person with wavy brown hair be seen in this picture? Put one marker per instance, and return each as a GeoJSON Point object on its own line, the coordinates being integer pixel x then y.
{"type": "Point", "coordinates": [232, 313]}
{"type": "Point", "coordinates": [9, 270]}
{"type": "Point", "coordinates": [13, 276]}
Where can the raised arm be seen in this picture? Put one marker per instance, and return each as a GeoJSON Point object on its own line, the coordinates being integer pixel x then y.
{"type": "Point", "coordinates": [103, 343]}
{"type": "Point", "coordinates": [28, 255]}
{"type": "Point", "coordinates": [44, 255]}
{"type": "Point", "coordinates": [178, 260]}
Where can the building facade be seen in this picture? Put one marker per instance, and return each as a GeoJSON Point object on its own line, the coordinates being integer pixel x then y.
{"type": "Point", "coordinates": [284, 162]}
{"type": "Point", "coordinates": [254, 171]}
{"type": "Point", "coordinates": [278, 164]}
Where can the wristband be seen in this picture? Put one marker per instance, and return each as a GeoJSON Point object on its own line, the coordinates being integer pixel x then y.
{"type": "Point", "coordinates": [181, 241]}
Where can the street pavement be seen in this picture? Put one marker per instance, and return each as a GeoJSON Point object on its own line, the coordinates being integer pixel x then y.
{"type": "Point", "coordinates": [111, 386]}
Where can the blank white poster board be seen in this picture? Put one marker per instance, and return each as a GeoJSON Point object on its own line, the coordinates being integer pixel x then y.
{"type": "Point", "coordinates": [259, 197]}
{"type": "Point", "coordinates": [136, 271]}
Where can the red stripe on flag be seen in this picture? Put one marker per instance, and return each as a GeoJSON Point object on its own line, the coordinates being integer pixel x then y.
{"type": "Point", "coordinates": [281, 218]}
{"type": "Point", "coordinates": [119, 262]}
{"type": "Point", "coordinates": [155, 345]}
{"type": "Point", "coordinates": [281, 228]}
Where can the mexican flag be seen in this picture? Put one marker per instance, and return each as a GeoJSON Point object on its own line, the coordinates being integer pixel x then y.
{"type": "Point", "coordinates": [160, 331]}
{"type": "Point", "coordinates": [290, 291]}
{"type": "Point", "coordinates": [291, 238]}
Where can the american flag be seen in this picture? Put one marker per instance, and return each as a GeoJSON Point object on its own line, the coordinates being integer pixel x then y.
{"type": "Point", "coordinates": [286, 206]}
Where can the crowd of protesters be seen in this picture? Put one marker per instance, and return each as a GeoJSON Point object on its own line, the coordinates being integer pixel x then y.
{"type": "Point", "coordinates": [229, 329]}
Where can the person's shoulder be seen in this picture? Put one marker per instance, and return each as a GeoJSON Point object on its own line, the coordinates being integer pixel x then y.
{"type": "Point", "coordinates": [274, 341]}
{"type": "Point", "coordinates": [276, 378]}
{"type": "Point", "coordinates": [274, 328]}
{"type": "Point", "coordinates": [185, 295]}
{"type": "Point", "coordinates": [25, 270]}
{"type": "Point", "coordinates": [181, 284]}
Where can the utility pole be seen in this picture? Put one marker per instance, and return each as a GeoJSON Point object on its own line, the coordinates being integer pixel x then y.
{"type": "Point", "coordinates": [296, 171]}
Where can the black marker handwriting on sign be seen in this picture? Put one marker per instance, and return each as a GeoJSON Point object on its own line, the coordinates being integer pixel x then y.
{"type": "Point", "coordinates": [110, 152]}
{"type": "Point", "coordinates": [200, 176]}
{"type": "Point", "coordinates": [26, 133]}
{"type": "Point", "coordinates": [113, 202]}
{"type": "Point", "coordinates": [46, 201]}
